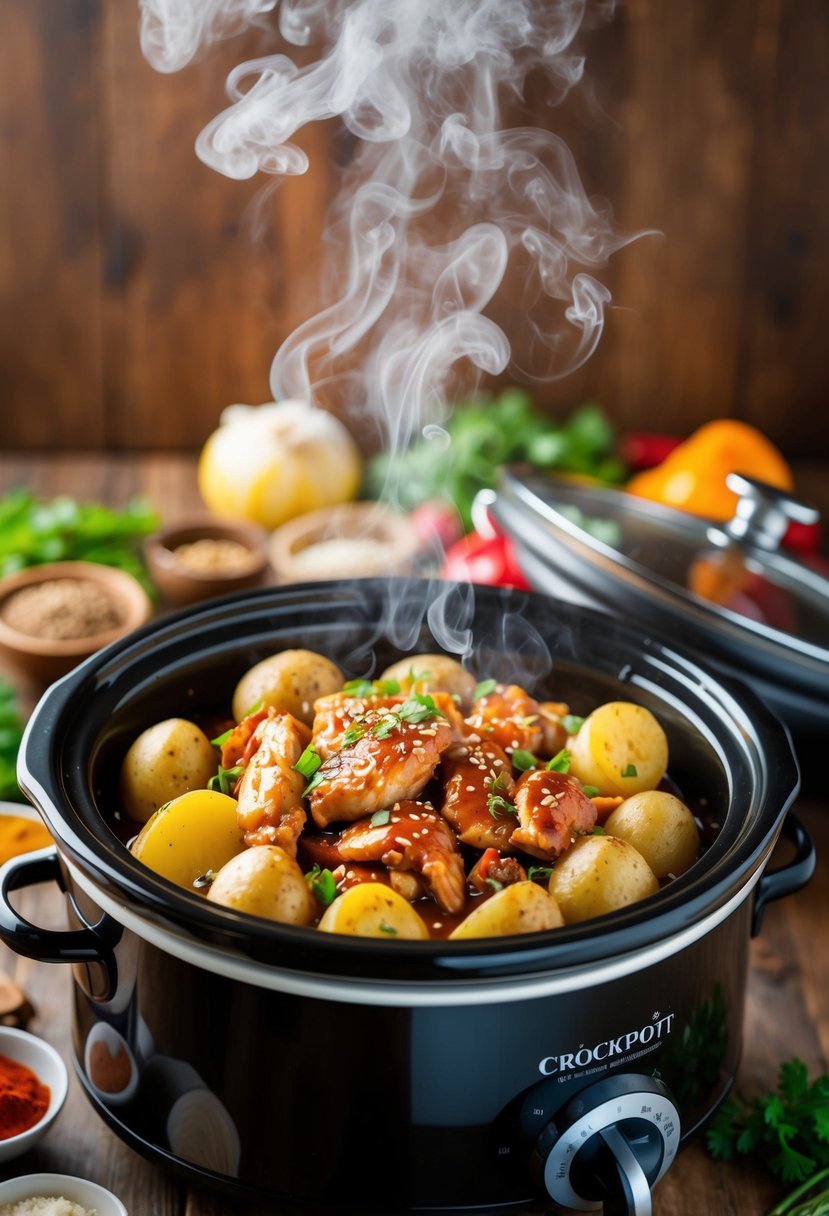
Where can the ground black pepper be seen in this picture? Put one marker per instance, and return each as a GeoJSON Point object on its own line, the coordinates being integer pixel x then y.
{"type": "Point", "coordinates": [61, 609]}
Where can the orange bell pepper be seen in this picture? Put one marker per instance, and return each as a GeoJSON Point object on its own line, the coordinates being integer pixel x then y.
{"type": "Point", "coordinates": [692, 477]}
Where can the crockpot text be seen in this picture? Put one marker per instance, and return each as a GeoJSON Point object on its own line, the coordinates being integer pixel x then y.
{"type": "Point", "coordinates": [608, 1049]}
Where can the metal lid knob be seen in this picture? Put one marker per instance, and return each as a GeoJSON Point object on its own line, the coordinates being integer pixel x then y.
{"type": "Point", "coordinates": [763, 513]}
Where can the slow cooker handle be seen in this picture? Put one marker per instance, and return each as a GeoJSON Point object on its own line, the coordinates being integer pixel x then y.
{"type": "Point", "coordinates": [92, 944]}
{"type": "Point", "coordinates": [787, 879]}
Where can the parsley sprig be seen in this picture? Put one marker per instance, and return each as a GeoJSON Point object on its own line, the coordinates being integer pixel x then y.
{"type": "Point", "coordinates": [787, 1128]}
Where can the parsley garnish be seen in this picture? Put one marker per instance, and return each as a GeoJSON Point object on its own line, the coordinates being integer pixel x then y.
{"type": "Point", "coordinates": [598, 830]}
{"type": "Point", "coordinates": [354, 733]}
{"type": "Point", "coordinates": [225, 777]}
{"type": "Point", "coordinates": [322, 884]}
{"type": "Point", "coordinates": [419, 707]}
{"type": "Point", "coordinates": [536, 872]}
{"type": "Point", "coordinates": [483, 689]}
{"type": "Point", "coordinates": [380, 818]}
{"type": "Point", "coordinates": [788, 1129]}
{"type": "Point", "coordinates": [371, 688]}
{"type": "Point", "coordinates": [560, 762]}
{"type": "Point", "coordinates": [496, 804]}
{"type": "Point", "coordinates": [592, 791]}
{"type": "Point", "coordinates": [524, 760]}
{"type": "Point", "coordinates": [383, 728]}
{"type": "Point", "coordinates": [630, 771]}
{"type": "Point", "coordinates": [572, 723]}
{"type": "Point", "coordinates": [384, 928]}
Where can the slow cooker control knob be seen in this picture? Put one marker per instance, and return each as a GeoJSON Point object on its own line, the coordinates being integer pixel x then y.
{"type": "Point", "coordinates": [608, 1146]}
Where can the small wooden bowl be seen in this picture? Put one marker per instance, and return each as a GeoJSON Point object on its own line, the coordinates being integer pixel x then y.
{"type": "Point", "coordinates": [357, 540]}
{"type": "Point", "coordinates": [181, 583]}
{"type": "Point", "coordinates": [43, 660]}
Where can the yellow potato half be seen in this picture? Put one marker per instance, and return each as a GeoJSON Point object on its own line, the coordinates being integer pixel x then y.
{"type": "Point", "coordinates": [197, 832]}
{"type": "Point", "coordinates": [371, 909]}
{"type": "Point", "coordinates": [620, 749]}
{"type": "Point", "coordinates": [522, 907]}
{"type": "Point", "coordinates": [166, 760]}
{"type": "Point", "coordinates": [599, 874]}
{"type": "Point", "coordinates": [290, 681]}
{"type": "Point", "coordinates": [265, 881]}
{"type": "Point", "coordinates": [661, 827]}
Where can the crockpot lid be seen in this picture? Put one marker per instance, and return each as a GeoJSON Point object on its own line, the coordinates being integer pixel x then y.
{"type": "Point", "coordinates": [728, 581]}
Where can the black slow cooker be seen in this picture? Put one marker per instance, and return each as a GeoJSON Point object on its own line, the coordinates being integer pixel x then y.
{"type": "Point", "coordinates": [327, 1073]}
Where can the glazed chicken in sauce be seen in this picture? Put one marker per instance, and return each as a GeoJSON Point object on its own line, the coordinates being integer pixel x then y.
{"type": "Point", "coordinates": [412, 803]}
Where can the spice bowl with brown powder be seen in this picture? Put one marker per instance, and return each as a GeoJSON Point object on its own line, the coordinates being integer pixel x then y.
{"type": "Point", "coordinates": [55, 615]}
{"type": "Point", "coordinates": [204, 556]}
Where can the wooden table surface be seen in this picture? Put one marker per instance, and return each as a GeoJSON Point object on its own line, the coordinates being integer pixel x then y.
{"type": "Point", "coordinates": [788, 988]}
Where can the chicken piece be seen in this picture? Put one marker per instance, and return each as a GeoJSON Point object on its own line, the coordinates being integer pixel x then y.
{"type": "Point", "coordinates": [478, 784]}
{"type": "Point", "coordinates": [492, 871]}
{"type": "Point", "coordinates": [555, 736]}
{"type": "Point", "coordinates": [509, 717]}
{"type": "Point", "coordinates": [239, 745]}
{"type": "Point", "coordinates": [390, 760]}
{"type": "Point", "coordinates": [269, 792]}
{"type": "Point", "coordinates": [334, 714]}
{"type": "Point", "coordinates": [553, 810]}
{"type": "Point", "coordinates": [415, 838]}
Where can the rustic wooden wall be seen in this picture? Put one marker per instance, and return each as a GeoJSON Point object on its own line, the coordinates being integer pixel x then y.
{"type": "Point", "coordinates": [140, 292]}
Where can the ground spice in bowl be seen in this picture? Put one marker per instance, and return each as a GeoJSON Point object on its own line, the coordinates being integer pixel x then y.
{"type": "Point", "coordinates": [214, 555]}
{"type": "Point", "coordinates": [24, 1099]}
{"type": "Point", "coordinates": [61, 609]}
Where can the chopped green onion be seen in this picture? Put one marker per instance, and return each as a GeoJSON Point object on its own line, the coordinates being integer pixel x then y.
{"type": "Point", "coordinates": [592, 791]}
{"type": "Point", "coordinates": [384, 928]}
{"type": "Point", "coordinates": [494, 883]}
{"type": "Point", "coordinates": [220, 740]}
{"type": "Point", "coordinates": [204, 880]}
{"type": "Point", "coordinates": [630, 771]}
{"type": "Point", "coordinates": [383, 728]}
{"type": "Point", "coordinates": [598, 830]}
{"type": "Point", "coordinates": [387, 688]}
{"type": "Point", "coordinates": [380, 818]}
{"type": "Point", "coordinates": [225, 777]}
{"type": "Point", "coordinates": [524, 760]}
{"type": "Point", "coordinates": [358, 688]}
{"type": "Point", "coordinates": [536, 872]}
{"type": "Point", "coordinates": [323, 885]}
{"type": "Point", "coordinates": [309, 762]}
{"type": "Point", "coordinates": [317, 779]}
{"type": "Point", "coordinates": [484, 689]}
{"type": "Point", "coordinates": [560, 762]}
{"type": "Point", "coordinates": [572, 723]}
{"type": "Point", "coordinates": [254, 709]}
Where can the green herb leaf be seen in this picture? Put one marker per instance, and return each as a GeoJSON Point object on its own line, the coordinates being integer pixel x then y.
{"type": "Point", "coordinates": [323, 885]}
{"type": "Point", "coordinates": [560, 762]}
{"type": "Point", "coordinates": [494, 883]}
{"type": "Point", "coordinates": [592, 791]}
{"type": "Point", "coordinates": [225, 778]}
{"type": "Point", "coordinates": [419, 707]}
{"type": "Point", "coordinates": [572, 723]}
{"type": "Point", "coordinates": [630, 771]}
{"type": "Point", "coordinates": [384, 928]}
{"type": "Point", "coordinates": [534, 873]}
{"type": "Point", "coordinates": [598, 830]}
{"type": "Point", "coordinates": [309, 762]}
{"type": "Point", "coordinates": [354, 733]}
{"type": "Point", "coordinates": [383, 728]}
{"type": "Point", "coordinates": [380, 818]}
{"type": "Point", "coordinates": [484, 689]}
{"type": "Point", "coordinates": [358, 688]}
{"type": "Point", "coordinates": [204, 880]}
{"type": "Point", "coordinates": [523, 760]}
{"type": "Point", "coordinates": [220, 740]}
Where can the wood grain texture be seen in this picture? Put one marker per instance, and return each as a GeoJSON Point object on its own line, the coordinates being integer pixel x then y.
{"type": "Point", "coordinates": [140, 292]}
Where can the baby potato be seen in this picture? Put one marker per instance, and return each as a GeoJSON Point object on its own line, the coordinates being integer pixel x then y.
{"type": "Point", "coordinates": [265, 881]}
{"type": "Point", "coordinates": [660, 827]}
{"type": "Point", "coordinates": [440, 674]}
{"type": "Point", "coordinates": [371, 909]}
{"type": "Point", "coordinates": [197, 832]}
{"type": "Point", "coordinates": [166, 760]}
{"type": "Point", "coordinates": [598, 874]}
{"type": "Point", "coordinates": [620, 749]}
{"type": "Point", "coordinates": [522, 907]}
{"type": "Point", "coordinates": [291, 681]}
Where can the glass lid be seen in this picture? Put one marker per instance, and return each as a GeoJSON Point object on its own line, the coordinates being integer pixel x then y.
{"type": "Point", "coordinates": [728, 576]}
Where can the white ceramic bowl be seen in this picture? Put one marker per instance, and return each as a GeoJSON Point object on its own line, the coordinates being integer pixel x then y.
{"type": "Point", "coordinates": [48, 1066]}
{"type": "Point", "coordinates": [55, 1186]}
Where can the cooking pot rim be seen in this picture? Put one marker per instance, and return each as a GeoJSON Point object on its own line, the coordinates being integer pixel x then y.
{"type": "Point", "coordinates": [54, 758]}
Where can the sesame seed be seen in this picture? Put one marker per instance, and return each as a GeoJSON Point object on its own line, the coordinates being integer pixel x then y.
{"type": "Point", "coordinates": [402, 840]}
{"type": "Point", "coordinates": [470, 789]}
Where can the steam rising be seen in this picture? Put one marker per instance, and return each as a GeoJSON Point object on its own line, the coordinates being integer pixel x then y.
{"type": "Point", "coordinates": [440, 207]}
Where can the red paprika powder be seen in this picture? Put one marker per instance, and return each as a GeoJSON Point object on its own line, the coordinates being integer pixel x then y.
{"type": "Point", "coordinates": [23, 1098]}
